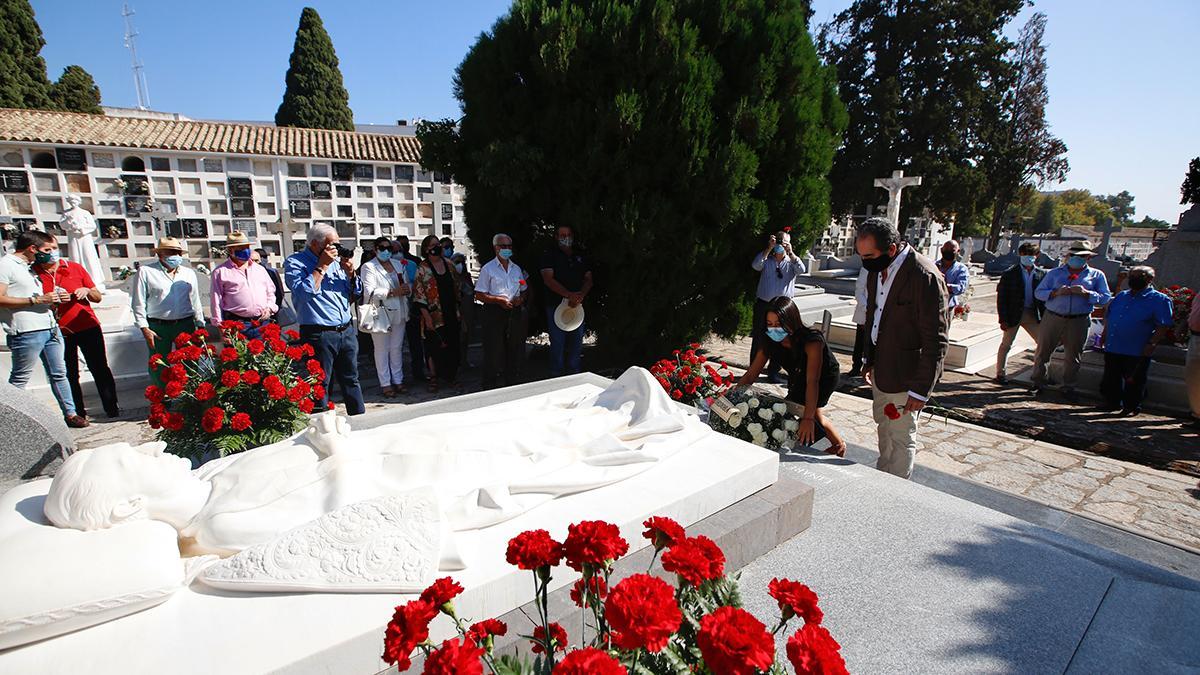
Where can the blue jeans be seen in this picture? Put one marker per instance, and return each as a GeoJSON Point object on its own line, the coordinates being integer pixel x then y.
{"type": "Point", "coordinates": [47, 344]}
{"type": "Point", "coordinates": [561, 341]}
{"type": "Point", "coordinates": [337, 352]}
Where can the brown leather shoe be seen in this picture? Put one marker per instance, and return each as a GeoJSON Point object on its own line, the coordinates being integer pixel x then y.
{"type": "Point", "coordinates": [76, 422]}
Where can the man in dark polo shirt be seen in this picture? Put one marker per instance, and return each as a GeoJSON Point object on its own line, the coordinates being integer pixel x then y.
{"type": "Point", "coordinates": [81, 330]}
{"type": "Point", "coordinates": [567, 276]}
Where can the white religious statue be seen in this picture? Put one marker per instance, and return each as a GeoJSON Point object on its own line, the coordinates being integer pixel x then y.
{"type": "Point", "coordinates": [894, 186]}
{"type": "Point", "coordinates": [80, 227]}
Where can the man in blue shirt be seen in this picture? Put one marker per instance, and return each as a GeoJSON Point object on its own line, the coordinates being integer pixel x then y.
{"type": "Point", "coordinates": [321, 292]}
{"type": "Point", "coordinates": [778, 268]}
{"type": "Point", "coordinates": [958, 279]}
{"type": "Point", "coordinates": [1071, 291]}
{"type": "Point", "coordinates": [1135, 322]}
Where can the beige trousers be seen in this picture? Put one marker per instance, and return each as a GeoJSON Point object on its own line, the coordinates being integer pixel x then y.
{"type": "Point", "coordinates": [1071, 333]}
{"type": "Point", "coordinates": [897, 438]}
{"type": "Point", "coordinates": [1192, 374]}
{"type": "Point", "coordinates": [1030, 323]}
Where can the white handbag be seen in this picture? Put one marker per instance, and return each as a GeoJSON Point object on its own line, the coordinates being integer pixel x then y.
{"type": "Point", "coordinates": [374, 318]}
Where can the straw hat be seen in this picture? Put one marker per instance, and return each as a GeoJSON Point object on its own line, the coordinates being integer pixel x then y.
{"type": "Point", "coordinates": [568, 318]}
{"type": "Point", "coordinates": [169, 244]}
{"type": "Point", "coordinates": [1081, 248]}
{"type": "Point", "coordinates": [237, 239]}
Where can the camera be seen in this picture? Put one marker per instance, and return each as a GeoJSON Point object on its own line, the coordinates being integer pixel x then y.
{"type": "Point", "coordinates": [344, 252]}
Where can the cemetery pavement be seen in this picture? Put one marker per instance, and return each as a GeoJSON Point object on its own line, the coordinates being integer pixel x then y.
{"type": "Point", "coordinates": [1161, 504]}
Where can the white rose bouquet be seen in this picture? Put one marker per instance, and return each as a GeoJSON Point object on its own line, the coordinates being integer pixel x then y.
{"type": "Point", "coordinates": [756, 417]}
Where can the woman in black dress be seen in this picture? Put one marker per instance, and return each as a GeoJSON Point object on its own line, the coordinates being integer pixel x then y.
{"type": "Point", "coordinates": [811, 366]}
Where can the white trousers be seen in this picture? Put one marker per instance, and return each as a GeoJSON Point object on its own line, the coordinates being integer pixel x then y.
{"type": "Point", "coordinates": [897, 438]}
{"type": "Point", "coordinates": [389, 348]}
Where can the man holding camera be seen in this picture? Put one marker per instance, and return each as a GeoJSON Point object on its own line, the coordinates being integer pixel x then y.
{"type": "Point", "coordinates": [778, 266]}
{"type": "Point", "coordinates": [322, 291]}
{"type": "Point", "coordinates": [29, 322]}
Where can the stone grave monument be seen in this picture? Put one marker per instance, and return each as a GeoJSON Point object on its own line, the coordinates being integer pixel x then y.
{"type": "Point", "coordinates": [35, 437]}
{"type": "Point", "coordinates": [1177, 260]}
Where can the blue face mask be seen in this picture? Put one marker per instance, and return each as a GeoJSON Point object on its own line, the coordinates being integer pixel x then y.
{"type": "Point", "coordinates": [778, 249]}
{"type": "Point", "coordinates": [447, 251]}
{"type": "Point", "coordinates": [1028, 260]}
{"type": "Point", "coordinates": [173, 261]}
{"type": "Point", "coordinates": [242, 254]}
{"type": "Point", "coordinates": [777, 333]}
{"type": "Point", "coordinates": [1076, 262]}
{"type": "Point", "coordinates": [45, 258]}
{"type": "Point", "coordinates": [383, 256]}
{"type": "Point", "coordinates": [506, 253]}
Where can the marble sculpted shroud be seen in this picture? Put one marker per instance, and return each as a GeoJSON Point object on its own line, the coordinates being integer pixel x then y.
{"type": "Point", "coordinates": [332, 509]}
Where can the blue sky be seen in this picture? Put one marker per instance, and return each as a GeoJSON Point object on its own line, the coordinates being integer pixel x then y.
{"type": "Point", "coordinates": [1122, 81]}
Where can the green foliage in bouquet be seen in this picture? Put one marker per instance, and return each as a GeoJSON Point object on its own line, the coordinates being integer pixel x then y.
{"type": "Point", "coordinates": [251, 392]}
{"type": "Point", "coordinates": [759, 418]}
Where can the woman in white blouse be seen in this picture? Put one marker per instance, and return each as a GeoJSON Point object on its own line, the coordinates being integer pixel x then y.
{"type": "Point", "coordinates": [386, 284]}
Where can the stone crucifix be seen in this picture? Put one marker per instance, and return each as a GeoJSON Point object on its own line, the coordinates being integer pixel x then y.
{"type": "Point", "coordinates": [1107, 229]}
{"type": "Point", "coordinates": [895, 185]}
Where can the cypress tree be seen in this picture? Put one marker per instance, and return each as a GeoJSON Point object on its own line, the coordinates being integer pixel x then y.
{"type": "Point", "coordinates": [76, 91]}
{"type": "Point", "coordinates": [23, 81]}
{"type": "Point", "coordinates": [315, 97]}
{"type": "Point", "coordinates": [672, 136]}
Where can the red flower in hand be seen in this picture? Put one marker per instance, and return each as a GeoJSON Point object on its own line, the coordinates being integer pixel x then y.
{"type": "Point", "coordinates": [213, 419]}
{"type": "Point", "coordinates": [813, 651]}
{"type": "Point", "coordinates": [533, 550]}
{"type": "Point", "coordinates": [795, 599]}
{"type": "Point", "coordinates": [479, 632]}
{"type": "Point", "coordinates": [892, 412]}
{"type": "Point", "coordinates": [695, 560]}
{"type": "Point", "coordinates": [733, 641]}
{"type": "Point", "coordinates": [441, 592]}
{"type": "Point", "coordinates": [596, 590]}
{"type": "Point", "coordinates": [240, 421]}
{"type": "Point", "coordinates": [592, 544]}
{"type": "Point", "coordinates": [589, 661]}
{"type": "Point", "coordinates": [558, 639]}
{"type": "Point", "coordinates": [662, 532]}
{"type": "Point", "coordinates": [642, 612]}
{"type": "Point", "coordinates": [408, 628]}
{"type": "Point", "coordinates": [454, 658]}
{"type": "Point", "coordinates": [205, 391]}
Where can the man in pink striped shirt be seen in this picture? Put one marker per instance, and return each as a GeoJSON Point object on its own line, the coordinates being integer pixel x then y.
{"type": "Point", "coordinates": [241, 290]}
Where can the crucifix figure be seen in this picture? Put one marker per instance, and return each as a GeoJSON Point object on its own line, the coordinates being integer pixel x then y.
{"type": "Point", "coordinates": [895, 185]}
{"type": "Point", "coordinates": [1107, 229]}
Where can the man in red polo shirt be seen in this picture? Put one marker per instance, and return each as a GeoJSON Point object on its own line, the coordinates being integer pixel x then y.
{"type": "Point", "coordinates": [81, 330]}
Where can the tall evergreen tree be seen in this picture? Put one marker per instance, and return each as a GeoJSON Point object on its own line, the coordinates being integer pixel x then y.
{"type": "Point", "coordinates": [671, 135]}
{"type": "Point", "coordinates": [915, 76]}
{"type": "Point", "coordinates": [1016, 148]}
{"type": "Point", "coordinates": [1190, 189]}
{"type": "Point", "coordinates": [315, 97]}
{"type": "Point", "coordinates": [1044, 222]}
{"type": "Point", "coordinates": [76, 91]}
{"type": "Point", "coordinates": [23, 81]}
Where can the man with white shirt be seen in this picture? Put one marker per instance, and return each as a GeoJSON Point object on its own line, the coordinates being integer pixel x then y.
{"type": "Point", "coordinates": [502, 289]}
{"type": "Point", "coordinates": [907, 325]}
{"type": "Point", "coordinates": [166, 300]}
{"type": "Point", "coordinates": [28, 316]}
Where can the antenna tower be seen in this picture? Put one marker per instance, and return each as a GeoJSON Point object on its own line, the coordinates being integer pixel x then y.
{"type": "Point", "coordinates": [139, 76]}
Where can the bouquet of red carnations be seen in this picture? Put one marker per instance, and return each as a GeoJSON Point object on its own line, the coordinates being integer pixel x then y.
{"type": "Point", "coordinates": [1182, 298]}
{"type": "Point", "coordinates": [689, 378]}
{"type": "Point", "coordinates": [641, 624]}
{"type": "Point", "coordinates": [213, 399]}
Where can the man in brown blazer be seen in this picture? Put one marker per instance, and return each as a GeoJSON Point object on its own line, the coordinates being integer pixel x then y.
{"type": "Point", "coordinates": [908, 326]}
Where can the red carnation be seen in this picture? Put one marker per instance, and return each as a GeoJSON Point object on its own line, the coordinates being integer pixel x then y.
{"type": "Point", "coordinates": [589, 661]}
{"type": "Point", "coordinates": [255, 346]}
{"type": "Point", "coordinates": [251, 377]}
{"type": "Point", "coordinates": [193, 352]}
{"type": "Point", "coordinates": [558, 639]}
{"type": "Point", "coordinates": [318, 392]}
{"type": "Point", "coordinates": [795, 599]}
{"type": "Point", "coordinates": [158, 409]}
{"type": "Point", "coordinates": [229, 324]}
{"type": "Point", "coordinates": [533, 550]}
{"type": "Point", "coordinates": [240, 421]}
{"type": "Point", "coordinates": [892, 412]}
{"type": "Point", "coordinates": [662, 532]}
{"type": "Point", "coordinates": [271, 330]}
{"type": "Point", "coordinates": [642, 612]}
{"type": "Point", "coordinates": [182, 339]}
{"type": "Point", "coordinates": [199, 336]}
{"type": "Point", "coordinates": [175, 373]}
{"type": "Point", "coordinates": [291, 334]}
{"type": "Point", "coordinates": [278, 345]}
{"type": "Point", "coordinates": [482, 630]}
{"type": "Point", "coordinates": [314, 367]}
{"type": "Point", "coordinates": [228, 354]}
{"type": "Point", "coordinates": [175, 356]}
{"type": "Point", "coordinates": [454, 658]}
{"type": "Point", "coordinates": [695, 559]}
{"type": "Point", "coordinates": [155, 360]}
{"type": "Point", "coordinates": [813, 651]}
{"type": "Point", "coordinates": [298, 392]}
{"type": "Point", "coordinates": [441, 592]}
{"type": "Point", "coordinates": [596, 590]}
{"type": "Point", "coordinates": [230, 378]}
{"type": "Point", "coordinates": [305, 406]}
{"type": "Point", "coordinates": [331, 406]}
{"type": "Point", "coordinates": [174, 389]}
{"type": "Point", "coordinates": [308, 349]}
{"type": "Point", "coordinates": [173, 422]}
{"type": "Point", "coordinates": [154, 394]}
{"type": "Point", "coordinates": [294, 353]}
{"type": "Point", "coordinates": [205, 391]}
{"type": "Point", "coordinates": [213, 419]}
{"type": "Point", "coordinates": [664, 383]}
{"type": "Point", "coordinates": [733, 641]}
{"type": "Point", "coordinates": [593, 543]}
{"type": "Point", "coordinates": [155, 420]}
{"type": "Point", "coordinates": [408, 628]}
{"type": "Point", "coordinates": [677, 395]}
